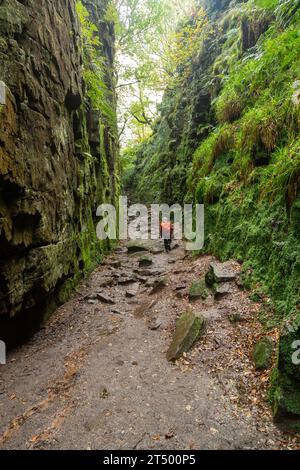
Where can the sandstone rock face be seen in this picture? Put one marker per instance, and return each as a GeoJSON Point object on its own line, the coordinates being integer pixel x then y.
{"type": "Point", "coordinates": [57, 159]}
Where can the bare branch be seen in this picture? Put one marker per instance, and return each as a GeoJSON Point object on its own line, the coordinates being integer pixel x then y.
{"type": "Point", "coordinates": [127, 84]}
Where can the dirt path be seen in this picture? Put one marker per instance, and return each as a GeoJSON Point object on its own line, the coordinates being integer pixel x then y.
{"type": "Point", "coordinates": [97, 376]}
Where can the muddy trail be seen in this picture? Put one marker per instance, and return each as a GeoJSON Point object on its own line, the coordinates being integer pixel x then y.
{"type": "Point", "coordinates": [96, 376]}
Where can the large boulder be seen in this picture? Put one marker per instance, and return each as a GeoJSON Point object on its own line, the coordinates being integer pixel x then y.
{"type": "Point", "coordinates": [220, 272]}
{"type": "Point", "coordinates": [189, 328]}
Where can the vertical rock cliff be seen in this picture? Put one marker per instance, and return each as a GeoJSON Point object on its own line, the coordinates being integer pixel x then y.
{"type": "Point", "coordinates": [58, 158]}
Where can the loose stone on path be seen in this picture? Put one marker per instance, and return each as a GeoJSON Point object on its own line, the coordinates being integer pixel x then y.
{"type": "Point", "coordinates": [189, 328]}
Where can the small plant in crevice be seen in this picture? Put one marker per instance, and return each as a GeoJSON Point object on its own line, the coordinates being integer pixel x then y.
{"type": "Point", "coordinates": [95, 67]}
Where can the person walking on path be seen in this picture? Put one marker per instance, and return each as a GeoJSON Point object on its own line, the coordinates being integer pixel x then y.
{"type": "Point", "coordinates": [167, 232]}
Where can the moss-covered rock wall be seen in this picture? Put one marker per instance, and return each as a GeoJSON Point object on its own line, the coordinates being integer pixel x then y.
{"type": "Point", "coordinates": [58, 158]}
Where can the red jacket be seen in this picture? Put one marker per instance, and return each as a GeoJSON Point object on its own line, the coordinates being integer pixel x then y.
{"type": "Point", "coordinates": [167, 229]}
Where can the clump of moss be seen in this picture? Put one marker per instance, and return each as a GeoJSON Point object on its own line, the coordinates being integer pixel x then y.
{"type": "Point", "coordinates": [262, 353]}
{"type": "Point", "coordinates": [198, 290]}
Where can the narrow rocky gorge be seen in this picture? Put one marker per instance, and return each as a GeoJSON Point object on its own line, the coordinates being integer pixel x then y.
{"type": "Point", "coordinates": [120, 345]}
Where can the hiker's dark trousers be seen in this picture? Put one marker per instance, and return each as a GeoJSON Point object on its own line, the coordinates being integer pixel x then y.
{"type": "Point", "coordinates": [167, 244]}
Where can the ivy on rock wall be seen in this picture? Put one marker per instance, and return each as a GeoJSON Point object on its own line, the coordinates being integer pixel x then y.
{"type": "Point", "coordinates": [58, 154]}
{"type": "Point", "coordinates": [229, 138]}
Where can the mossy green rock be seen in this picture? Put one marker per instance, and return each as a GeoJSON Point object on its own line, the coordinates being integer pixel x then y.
{"type": "Point", "coordinates": [218, 143]}
{"type": "Point", "coordinates": [262, 354]}
{"type": "Point", "coordinates": [198, 290]}
{"type": "Point", "coordinates": [189, 328]}
{"type": "Point", "coordinates": [145, 261]}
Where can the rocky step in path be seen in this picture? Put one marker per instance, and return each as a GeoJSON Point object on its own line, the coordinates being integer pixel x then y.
{"type": "Point", "coordinates": [153, 351]}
